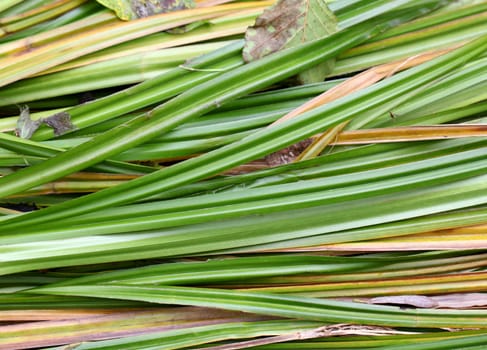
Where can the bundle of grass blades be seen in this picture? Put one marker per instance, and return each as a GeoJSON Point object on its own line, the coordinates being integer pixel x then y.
{"type": "Point", "coordinates": [288, 174]}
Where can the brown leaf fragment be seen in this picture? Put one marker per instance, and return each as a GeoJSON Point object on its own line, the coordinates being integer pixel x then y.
{"type": "Point", "coordinates": [419, 301]}
{"type": "Point", "coordinates": [271, 30]}
{"type": "Point", "coordinates": [146, 8]}
{"type": "Point", "coordinates": [287, 24]}
{"type": "Point", "coordinates": [319, 143]}
{"type": "Point", "coordinates": [288, 154]}
{"type": "Point", "coordinates": [133, 9]}
{"type": "Point", "coordinates": [60, 122]}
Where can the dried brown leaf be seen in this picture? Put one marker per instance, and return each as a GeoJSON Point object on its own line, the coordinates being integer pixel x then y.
{"type": "Point", "coordinates": [287, 24]}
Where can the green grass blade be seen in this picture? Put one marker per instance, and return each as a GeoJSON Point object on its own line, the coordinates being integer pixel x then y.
{"type": "Point", "coordinates": [262, 142]}
{"type": "Point", "coordinates": [196, 101]}
{"type": "Point", "coordinates": [283, 306]}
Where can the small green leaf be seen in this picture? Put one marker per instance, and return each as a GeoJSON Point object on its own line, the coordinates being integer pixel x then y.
{"type": "Point", "coordinates": [289, 23]}
{"type": "Point", "coordinates": [121, 8]}
{"type": "Point", "coordinates": [133, 9]}
{"type": "Point", "coordinates": [25, 125]}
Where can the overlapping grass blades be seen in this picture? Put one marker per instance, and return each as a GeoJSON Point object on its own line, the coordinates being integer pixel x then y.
{"type": "Point", "coordinates": [188, 213]}
{"type": "Point", "coordinates": [387, 90]}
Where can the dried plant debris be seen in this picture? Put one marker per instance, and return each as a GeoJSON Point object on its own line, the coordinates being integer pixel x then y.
{"type": "Point", "coordinates": [333, 330]}
{"type": "Point", "coordinates": [461, 300]}
{"type": "Point", "coordinates": [287, 24]}
{"type": "Point", "coordinates": [59, 122]}
{"type": "Point", "coordinates": [133, 9]}
{"type": "Point", "coordinates": [419, 301]}
{"type": "Point", "coordinates": [288, 154]}
{"type": "Point", "coordinates": [454, 301]}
